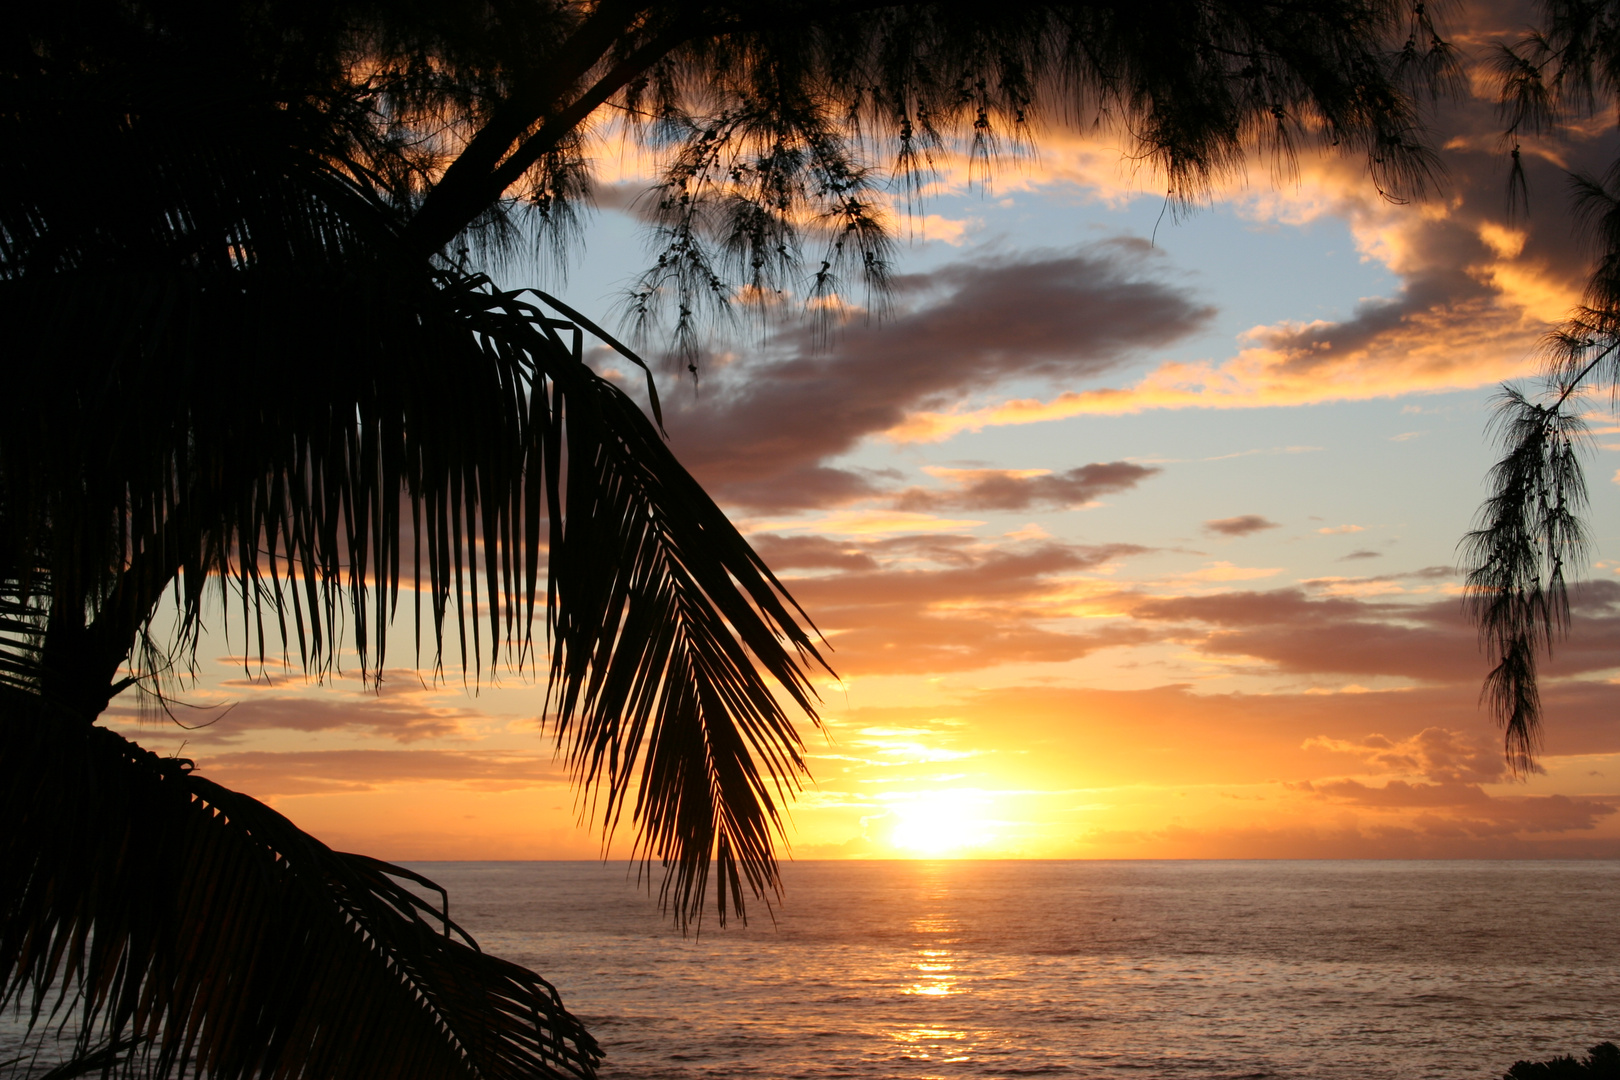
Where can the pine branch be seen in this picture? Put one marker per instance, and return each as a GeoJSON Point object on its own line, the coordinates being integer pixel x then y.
{"type": "Point", "coordinates": [1530, 540]}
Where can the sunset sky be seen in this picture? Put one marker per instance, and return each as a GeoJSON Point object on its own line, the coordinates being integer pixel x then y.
{"type": "Point", "coordinates": [1133, 533]}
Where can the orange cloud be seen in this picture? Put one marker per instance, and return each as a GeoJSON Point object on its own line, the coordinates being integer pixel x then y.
{"type": "Point", "coordinates": [265, 773]}
{"type": "Point", "coordinates": [952, 603]}
{"type": "Point", "coordinates": [1477, 294]}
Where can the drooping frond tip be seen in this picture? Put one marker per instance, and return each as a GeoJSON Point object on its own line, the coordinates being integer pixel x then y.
{"type": "Point", "coordinates": [668, 634]}
{"type": "Point", "coordinates": [1528, 542]}
{"type": "Point", "coordinates": [163, 926]}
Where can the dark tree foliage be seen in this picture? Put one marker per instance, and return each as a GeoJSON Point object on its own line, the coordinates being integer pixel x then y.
{"type": "Point", "coordinates": [255, 368]}
{"type": "Point", "coordinates": [1529, 541]}
{"type": "Point", "coordinates": [1602, 1062]}
{"type": "Point", "coordinates": [332, 966]}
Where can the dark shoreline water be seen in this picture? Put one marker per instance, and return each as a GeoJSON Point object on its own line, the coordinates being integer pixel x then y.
{"type": "Point", "coordinates": [918, 970]}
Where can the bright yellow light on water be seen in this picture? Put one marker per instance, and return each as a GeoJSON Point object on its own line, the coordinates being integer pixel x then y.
{"type": "Point", "coordinates": [937, 823]}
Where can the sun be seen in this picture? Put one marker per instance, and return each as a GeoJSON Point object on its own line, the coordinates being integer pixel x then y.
{"type": "Point", "coordinates": [938, 823]}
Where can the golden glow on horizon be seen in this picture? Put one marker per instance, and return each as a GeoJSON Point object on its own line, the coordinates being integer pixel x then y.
{"type": "Point", "coordinates": [938, 823]}
{"type": "Point", "coordinates": [1026, 670]}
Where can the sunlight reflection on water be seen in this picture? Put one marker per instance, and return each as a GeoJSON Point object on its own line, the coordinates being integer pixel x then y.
{"type": "Point", "coordinates": [933, 965]}
{"type": "Point", "coordinates": [941, 971]}
{"type": "Point", "coordinates": [934, 969]}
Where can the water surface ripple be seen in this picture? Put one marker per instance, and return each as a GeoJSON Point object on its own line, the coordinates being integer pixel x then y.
{"type": "Point", "coordinates": [916, 970]}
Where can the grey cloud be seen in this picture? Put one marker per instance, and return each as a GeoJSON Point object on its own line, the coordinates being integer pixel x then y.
{"type": "Point", "coordinates": [759, 430]}
{"type": "Point", "coordinates": [265, 773]}
{"type": "Point", "coordinates": [396, 719]}
{"type": "Point", "coordinates": [1432, 642]}
{"type": "Point", "coordinates": [810, 553]}
{"type": "Point", "coordinates": [932, 603]}
{"type": "Point", "coordinates": [1472, 811]}
{"type": "Point", "coordinates": [1427, 573]}
{"type": "Point", "coordinates": [1242, 525]}
{"type": "Point", "coordinates": [1005, 489]}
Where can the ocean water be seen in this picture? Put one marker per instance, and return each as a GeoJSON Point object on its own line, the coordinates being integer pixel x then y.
{"type": "Point", "coordinates": [914, 970]}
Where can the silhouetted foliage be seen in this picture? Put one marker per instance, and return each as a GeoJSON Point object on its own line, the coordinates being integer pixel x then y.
{"type": "Point", "coordinates": [1602, 1062]}
{"type": "Point", "coordinates": [252, 357]}
{"type": "Point", "coordinates": [1529, 541]}
{"type": "Point", "coordinates": [259, 951]}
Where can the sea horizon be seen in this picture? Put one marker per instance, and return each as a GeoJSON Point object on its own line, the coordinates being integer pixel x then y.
{"type": "Point", "coordinates": [953, 968]}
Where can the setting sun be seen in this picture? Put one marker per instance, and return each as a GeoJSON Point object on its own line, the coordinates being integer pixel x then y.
{"type": "Point", "coordinates": [938, 823]}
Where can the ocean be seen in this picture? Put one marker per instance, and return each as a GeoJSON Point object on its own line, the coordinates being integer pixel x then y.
{"type": "Point", "coordinates": [1217, 970]}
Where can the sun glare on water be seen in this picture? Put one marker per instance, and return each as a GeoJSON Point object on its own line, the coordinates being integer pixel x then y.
{"type": "Point", "coordinates": [938, 824]}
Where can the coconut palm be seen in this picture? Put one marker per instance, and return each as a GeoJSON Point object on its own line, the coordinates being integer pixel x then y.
{"type": "Point", "coordinates": [251, 359]}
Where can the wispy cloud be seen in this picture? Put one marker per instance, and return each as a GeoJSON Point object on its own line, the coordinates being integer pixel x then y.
{"type": "Point", "coordinates": [1007, 489]}
{"type": "Point", "coordinates": [1242, 525]}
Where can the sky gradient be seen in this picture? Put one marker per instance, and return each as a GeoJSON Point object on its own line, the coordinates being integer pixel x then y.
{"type": "Point", "coordinates": [1132, 530]}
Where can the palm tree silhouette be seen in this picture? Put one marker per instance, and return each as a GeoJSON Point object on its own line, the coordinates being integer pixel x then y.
{"type": "Point", "coordinates": [249, 360]}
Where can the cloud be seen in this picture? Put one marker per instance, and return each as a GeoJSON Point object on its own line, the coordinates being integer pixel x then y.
{"type": "Point", "coordinates": [810, 553]}
{"type": "Point", "coordinates": [268, 773]}
{"type": "Point", "coordinates": [1175, 735]}
{"type": "Point", "coordinates": [759, 430]}
{"type": "Point", "coordinates": [1381, 584]}
{"type": "Point", "coordinates": [1476, 294]}
{"type": "Point", "coordinates": [1225, 571]}
{"type": "Point", "coordinates": [878, 522]}
{"type": "Point", "coordinates": [1422, 837]}
{"type": "Point", "coordinates": [1339, 530]}
{"type": "Point", "coordinates": [1399, 793]}
{"type": "Point", "coordinates": [1243, 525]}
{"type": "Point", "coordinates": [1454, 764]}
{"type": "Point", "coordinates": [947, 602]}
{"type": "Point", "coordinates": [1444, 756]}
{"type": "Point", "coordinates": [951, 603]}
{"type": "Point", "coordinates": [1469, 811]}
{"type": "Point", "coordinates": [919, 602]}
{"type": "Point", "coordinates": [401, 720]}
{"type": "Point", "coordinates": [1475, 299]}
{"type": "Point", "coordinates": [1289, 630]}
{"type": "Point", "coordinates": [1006, 489]}
{"type": "Point", "coordinates": [1362, 554]}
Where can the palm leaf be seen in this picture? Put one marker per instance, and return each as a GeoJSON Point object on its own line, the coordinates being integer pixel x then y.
{"type": "Point", "coordinates": [662, 616]}
{"type": "Point", "coordinates": [145, 904]}
{"type": "Point", "coordinates": [455, 444]}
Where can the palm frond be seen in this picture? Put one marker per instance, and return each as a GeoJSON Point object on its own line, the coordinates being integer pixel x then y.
{"type": "Point", "coordinates": [197, 930]}
{"type": "Point", "coordinates": [459, 444]}
{"type": "Point", "coordinates": [662, 616]}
